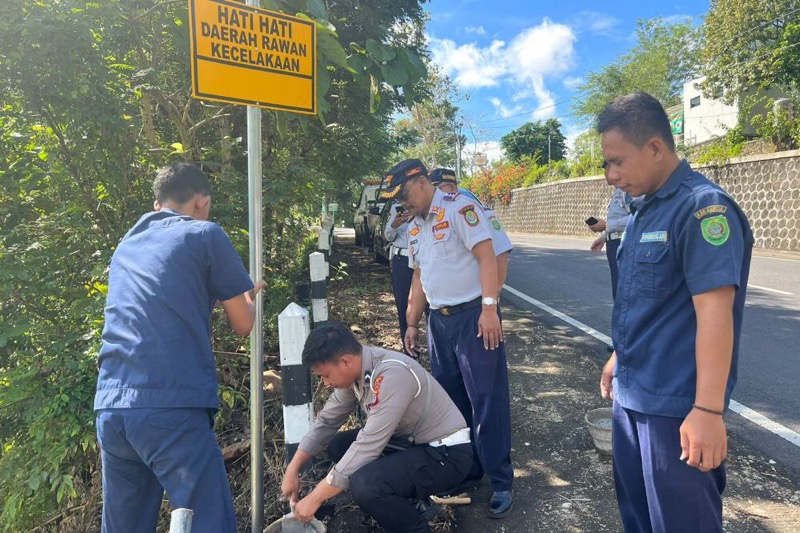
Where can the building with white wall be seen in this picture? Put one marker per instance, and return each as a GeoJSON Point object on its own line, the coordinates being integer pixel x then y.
{"type": "Point", "coordinates": [708, 118]}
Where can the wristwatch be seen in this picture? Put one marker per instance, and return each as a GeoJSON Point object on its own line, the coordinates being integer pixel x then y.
{"type": "Point", "coordinates": [489, 301]}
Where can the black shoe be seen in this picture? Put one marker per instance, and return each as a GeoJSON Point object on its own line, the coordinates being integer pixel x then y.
{"type": "Point", "coordinates": [428, 509]}
{"type": "Point", "coordinates": [500, 504]}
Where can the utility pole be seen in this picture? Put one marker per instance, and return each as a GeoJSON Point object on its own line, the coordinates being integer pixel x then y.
{"type": "Point", "coordinates": [458, 154]}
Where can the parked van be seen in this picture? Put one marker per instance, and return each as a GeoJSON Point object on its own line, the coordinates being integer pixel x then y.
{"type": "Point", "coordinates": [361, 219]}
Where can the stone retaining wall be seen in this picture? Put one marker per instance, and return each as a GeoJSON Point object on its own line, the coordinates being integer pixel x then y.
{"type": "Point", "coordinates": [766, 186]}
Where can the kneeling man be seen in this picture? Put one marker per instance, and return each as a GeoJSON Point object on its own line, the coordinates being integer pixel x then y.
{"type": "Point", "coordinates": [414, 442]}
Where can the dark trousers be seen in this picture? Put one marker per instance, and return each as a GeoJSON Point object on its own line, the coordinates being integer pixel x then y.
{"type": "Point", "coordinates": [401, 286]}
{"type": "Point", "coordinates": [657, 492]}
{"type": "Point", "coordinates": [387, 487]}
{"type": "Point", "coordinates": [477, 381]}
{"type": "Point", "coordinates": [611, 254]}
{"type": "Point", "coordinates": [145, 452]}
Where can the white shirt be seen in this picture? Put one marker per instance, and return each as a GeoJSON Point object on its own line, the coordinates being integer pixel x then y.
{"type": "Point", "coordinates": [500, 241]}
{"type": "Point", "coordinates": [397, 236]}
{"type": "Point", "coordinates": [441, 246]}
{"type": "Point", "coordinates": [619, 211]}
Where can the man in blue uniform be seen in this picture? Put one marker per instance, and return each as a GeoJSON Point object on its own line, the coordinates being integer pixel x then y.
{"type": "Point", "coordinates": [683, 268]}
{"type": "Point", "coordinates": [157, 388]}
{"type": "Point", "coordinates": [451, 250]}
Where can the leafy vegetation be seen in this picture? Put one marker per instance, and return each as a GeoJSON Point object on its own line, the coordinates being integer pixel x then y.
{"type": "Point", "coordinates": [540, 140]}
{"type": "Point", "coordinates": [95, 97]}
{"type": "Point", "coordinates": [665, 56]}
{"type": "Point", "coordinates": [750, 44]}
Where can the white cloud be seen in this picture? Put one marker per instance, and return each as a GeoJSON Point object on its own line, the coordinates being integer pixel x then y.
{"type": "Point", "coordinates": [546, 50]}
{"type": "Point", "coordinates": [478, 30]}
{"type": "Point", "coordinates": [572, 82]}
{"type": "Point", "coordinates": [596, 23]}
{"type": "Point", "coordinates": [504, 111]}
{"type": "Point", "coordinates": [470, 66]}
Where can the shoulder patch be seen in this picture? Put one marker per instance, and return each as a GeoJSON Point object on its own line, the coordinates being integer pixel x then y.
{"type": "Point", "coordinates": [715, 230]}
{"type": "Point", "coordinates": [376, 390]}
{"type": "Point", "coordinates": [709, 210]}
{"type": "Point", "coordinates": [451, 196]}
{"type": "Point", "coordinates": [469, 215]}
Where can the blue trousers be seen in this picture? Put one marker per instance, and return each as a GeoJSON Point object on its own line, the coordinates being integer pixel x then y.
{"type": "Point", "coordinates": [401, 286]}
{"type": "Point", "coordinates": [657, 492]}
{"type": "Point", "coordinates": [611, 255]}
{"type": "Point", "coordinates": [477, 381]}
{"type": "Point", "coordinates": [148, 451]}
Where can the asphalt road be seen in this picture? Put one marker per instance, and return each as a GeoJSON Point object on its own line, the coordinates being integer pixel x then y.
{"type": "Point", "coordinates": [562, 273]}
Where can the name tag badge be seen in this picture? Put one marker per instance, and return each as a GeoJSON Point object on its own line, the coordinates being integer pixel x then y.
{"type": "Point", "coordinates": [654, 236]}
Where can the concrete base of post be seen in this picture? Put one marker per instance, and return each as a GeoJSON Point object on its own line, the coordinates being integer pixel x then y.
{"type": "Point", "coordinates": [181, 521]}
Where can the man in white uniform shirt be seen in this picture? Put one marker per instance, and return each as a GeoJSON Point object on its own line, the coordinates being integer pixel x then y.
{"type": "Point", "coordinates": [396, 232]}
{"type": "Point", "coordinates": [450, 247]}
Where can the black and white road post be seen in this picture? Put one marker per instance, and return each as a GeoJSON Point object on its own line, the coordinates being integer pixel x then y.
{"type": "Point", "coordinates": [318, 265]}
{"type": "Point", "coordinates": [298, 410]}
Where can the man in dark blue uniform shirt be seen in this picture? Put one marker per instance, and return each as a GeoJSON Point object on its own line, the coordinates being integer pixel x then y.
{"type": "Point", "coordinates": [157, 388]}
{"type": "Point", "coordinates": [683, 268]}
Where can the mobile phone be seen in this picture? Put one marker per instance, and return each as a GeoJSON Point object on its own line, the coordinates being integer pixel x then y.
{"type": "Point", "coordinates": [400, 209]}
{"type": "Point", "coordinates": [591, 221]}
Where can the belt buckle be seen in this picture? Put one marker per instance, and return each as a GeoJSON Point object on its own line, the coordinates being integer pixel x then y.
{"type": "Point", "coordinates": [445, 311]}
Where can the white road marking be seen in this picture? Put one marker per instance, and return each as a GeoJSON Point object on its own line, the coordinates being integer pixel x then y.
{"type": "Point", "coordinates": [744, 411]}
{"type": "Point", "coordinates": [769, 290]}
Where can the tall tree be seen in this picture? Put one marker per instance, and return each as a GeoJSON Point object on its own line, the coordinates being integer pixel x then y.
{"type": "Point", "coordinates": [664, 58]}
{"type": "Point", "coordinates": [751, 44]}
{"type": "Point", "coordinates": [430, 132]}
{"type": "Point", "coordinates": [541, 140]}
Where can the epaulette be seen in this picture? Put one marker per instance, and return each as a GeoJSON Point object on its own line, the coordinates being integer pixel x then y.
{"type": "Point", "coordinates": [451, 196]}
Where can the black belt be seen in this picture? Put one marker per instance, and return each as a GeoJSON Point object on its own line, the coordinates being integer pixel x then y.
{"type": "Point", "coordinates": [453, 309]}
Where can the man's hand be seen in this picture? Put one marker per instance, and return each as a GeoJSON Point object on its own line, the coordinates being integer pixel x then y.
{"type": "Point", "coordinates": [704, 442]}
{"type": "Point", "coordinates": [400, 219]}
{"type": "Point", "coordinates": [411, 341]}
{"type": "Point", "coordinates": [597, 245]}
{"type": "Point", "coordinates": [290, 487]}
{"type": "Point", "coordinates": [489, 328]}
{"type": "Point", "coordinates": [599, 226]}
{"type": "Point", "coordinates": [304, 509]}
{"type": "Point", "coordinates": [607, 377]}
{"type": "Point", "coordinates": [259, 286]}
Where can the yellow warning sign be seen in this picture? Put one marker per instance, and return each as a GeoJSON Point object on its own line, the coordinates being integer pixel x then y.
{"type": "Point", "coordinates": [248, 55]}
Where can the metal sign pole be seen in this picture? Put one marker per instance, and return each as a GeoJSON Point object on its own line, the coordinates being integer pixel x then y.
{"type": "Point", "coordinates": [256, 336]}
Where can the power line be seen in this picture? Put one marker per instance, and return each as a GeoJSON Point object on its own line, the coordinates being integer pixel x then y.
{"type": "Point", "coordinates": [530, 112]}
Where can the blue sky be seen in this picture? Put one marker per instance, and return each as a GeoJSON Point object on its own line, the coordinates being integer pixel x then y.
{"type": "Point", "coordinates": [521, 60]}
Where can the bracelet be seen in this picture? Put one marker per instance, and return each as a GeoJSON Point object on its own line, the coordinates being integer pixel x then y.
{"type": "Point", "coordinates": [707, 410]}
{"type": "Point", "coordinates": [412, 326]}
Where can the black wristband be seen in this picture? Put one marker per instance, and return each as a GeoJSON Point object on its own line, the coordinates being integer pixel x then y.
{"type": "Point", "coordinates": [707, 410]}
